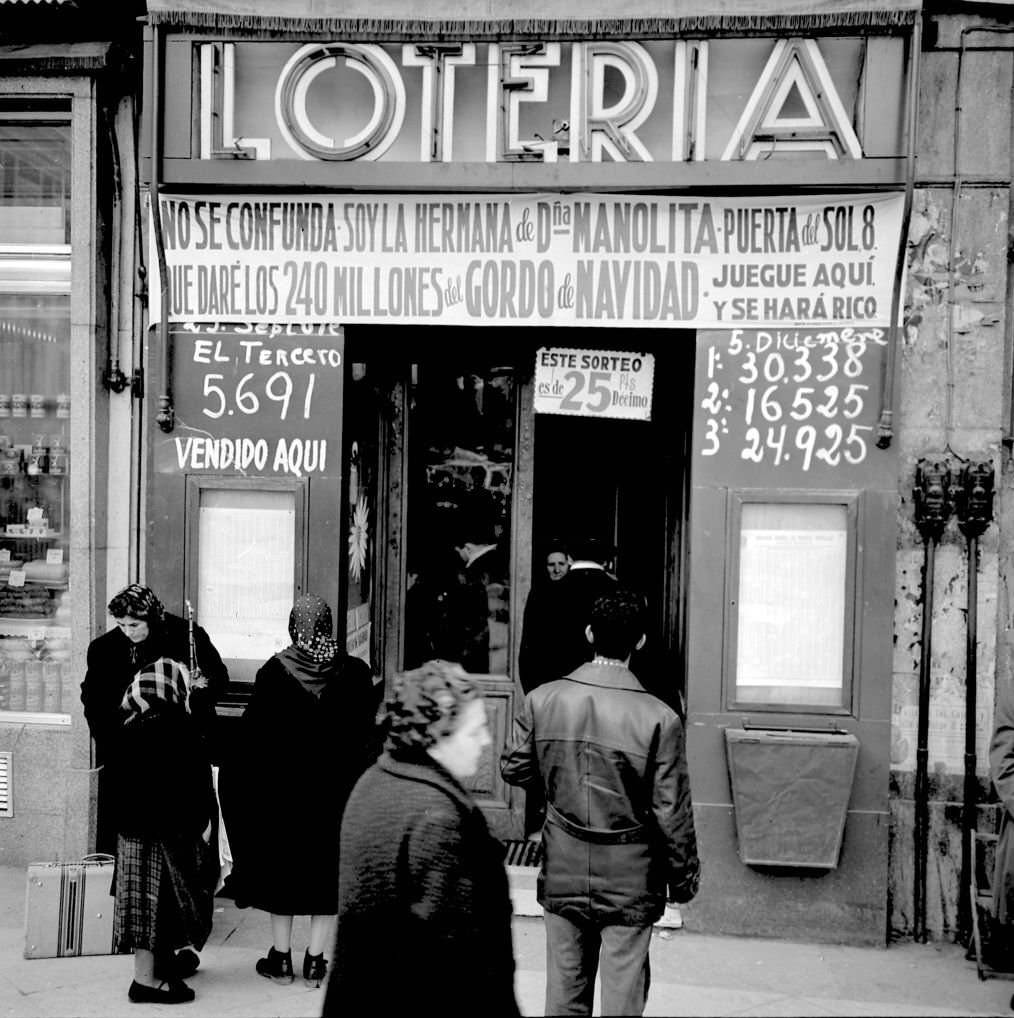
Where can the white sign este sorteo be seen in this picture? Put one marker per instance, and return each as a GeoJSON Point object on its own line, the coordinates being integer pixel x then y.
{"type": "Point", "coordinates": [594, 383]}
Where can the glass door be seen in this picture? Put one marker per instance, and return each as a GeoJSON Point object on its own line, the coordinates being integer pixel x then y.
{"type": "Point", "coordinates": [463, 526]}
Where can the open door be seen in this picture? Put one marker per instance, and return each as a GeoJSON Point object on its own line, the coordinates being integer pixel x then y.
{"type": "Point", "coordinates": [623, 482]}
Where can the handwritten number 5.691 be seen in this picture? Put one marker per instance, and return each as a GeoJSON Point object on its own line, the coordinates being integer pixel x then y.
{"type": "Point", "coordinates": [278, 389]}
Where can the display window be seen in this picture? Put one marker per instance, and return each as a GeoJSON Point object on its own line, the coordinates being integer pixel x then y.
{"type": "Point", "coordinates": [35, 317]}
{"type": "Point", "coordinates": [793, 604]}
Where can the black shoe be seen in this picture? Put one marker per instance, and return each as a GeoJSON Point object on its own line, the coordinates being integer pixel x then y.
{"type": "Point", "coordinates": [314, 969]}
{"type": "Point", "coordinates": [277, 966]}
{"type": "Point", "coordinates": [172, 991]}
{"type": "Point", "coordinates": [177, 966]}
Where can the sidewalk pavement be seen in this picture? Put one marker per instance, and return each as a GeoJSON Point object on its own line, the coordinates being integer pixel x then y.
{"type": "Point", "coordinates": [692, 974]}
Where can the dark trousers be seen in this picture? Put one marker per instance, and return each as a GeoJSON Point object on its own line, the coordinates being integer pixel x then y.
{"type": "Point", "coordinates": [573, 955]}
{"type": "Point", "coordinates": [535, 808]}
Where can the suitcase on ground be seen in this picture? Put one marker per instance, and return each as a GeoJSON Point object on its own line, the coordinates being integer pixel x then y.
{"type": "Point", "coordinates": [68, 908]}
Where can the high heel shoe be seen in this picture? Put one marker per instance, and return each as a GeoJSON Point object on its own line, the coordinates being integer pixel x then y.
{"type": "Point", "coordinates": [276, 966]}
{"type": "Point", "coordinates": [314, 969]}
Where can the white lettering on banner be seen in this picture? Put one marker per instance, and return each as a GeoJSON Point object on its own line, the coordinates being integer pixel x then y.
{"type": "Point", "coordinates": [594, 383]}
{"type": "Point", "coordinates": [611, 260]}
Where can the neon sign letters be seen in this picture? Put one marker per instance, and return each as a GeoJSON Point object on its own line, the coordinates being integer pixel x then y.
{"type": "Point", "coordinates": [614, 87]}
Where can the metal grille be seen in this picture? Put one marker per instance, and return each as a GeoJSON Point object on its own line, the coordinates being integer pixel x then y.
{"type": "Point", "coordinates": [523, 853]}
{"type": "Point", "coordinates": [6, 795]}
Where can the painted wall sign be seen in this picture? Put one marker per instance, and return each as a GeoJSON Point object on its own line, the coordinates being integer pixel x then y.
{"type": "Point", "coordinates": [255, 400]}
{"type": "Point", "coordinates": [788, 401]}
{"type": "Point", "coordinates": [668, 100]}
{"type": "Point", "coordinates": [594, 383]}
{"type": "Point", "coordinates": [608, 260]}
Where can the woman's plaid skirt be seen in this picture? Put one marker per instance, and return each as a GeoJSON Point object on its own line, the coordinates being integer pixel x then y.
{"type": "Point", "coordinates": [163, 899]}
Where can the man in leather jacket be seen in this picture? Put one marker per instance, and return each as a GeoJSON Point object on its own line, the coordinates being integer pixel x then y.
{"type": "Point", "coordinates": [619, 837]}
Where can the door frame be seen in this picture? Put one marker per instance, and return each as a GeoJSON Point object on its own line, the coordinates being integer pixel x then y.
{"type": "Point", "coordinates": [501, 804]}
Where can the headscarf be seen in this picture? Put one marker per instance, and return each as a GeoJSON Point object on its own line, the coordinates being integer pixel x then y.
{"type": "Point", "coordinates": [162, 682]}
{"type": "Point", "coordinates": [312, 651]}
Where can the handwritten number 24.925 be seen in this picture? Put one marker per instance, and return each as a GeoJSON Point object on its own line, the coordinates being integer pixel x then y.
{"type": "Point", "coordinates": [278, 389]}
{"type": "Point", "coordinates": [840, 444]}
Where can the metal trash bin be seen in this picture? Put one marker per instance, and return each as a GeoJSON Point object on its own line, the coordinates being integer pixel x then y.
{"type": "Point", "coordinates": [790, 790]}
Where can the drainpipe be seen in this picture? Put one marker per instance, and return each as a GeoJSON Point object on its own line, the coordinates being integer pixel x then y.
{"type": "Point", "coordinates": [885, 425]}
{"type": "Point", "coordinates": [166, 416]}
{"type": "Point", "coordinates": [931, 495]}
{"type": "Point", "coordinates": [113, 378]}
{"type": "Point", "coordinates": [974, 507]}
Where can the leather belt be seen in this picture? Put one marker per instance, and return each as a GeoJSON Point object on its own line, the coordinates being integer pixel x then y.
{"type": "Point", "coordinates": [597, 835]}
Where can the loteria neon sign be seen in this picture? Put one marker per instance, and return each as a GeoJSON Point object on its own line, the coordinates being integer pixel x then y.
{"type": "Point", "coordinates": [604, 123]}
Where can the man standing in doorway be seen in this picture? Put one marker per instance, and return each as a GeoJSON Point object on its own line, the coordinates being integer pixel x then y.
{"type": "Point", "coordinates": [619, 837]}
{"type": "Point", "coordinates": [586, 580]}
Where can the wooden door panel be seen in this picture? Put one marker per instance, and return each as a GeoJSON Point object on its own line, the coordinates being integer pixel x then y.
{"type": "Point", "coordinates": [491, 792]}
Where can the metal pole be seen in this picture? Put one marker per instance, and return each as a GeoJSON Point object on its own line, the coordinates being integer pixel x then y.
{"type": "Point", "coordinates": [974, 506]}
{"type": "Point", "coordinates": [922, 748]}
{"type": "Point", "coordinates": [969, 806]}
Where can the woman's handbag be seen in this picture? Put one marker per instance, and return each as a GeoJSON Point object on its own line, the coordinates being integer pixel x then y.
{"type": "Point", "coordinates": [69, 908]}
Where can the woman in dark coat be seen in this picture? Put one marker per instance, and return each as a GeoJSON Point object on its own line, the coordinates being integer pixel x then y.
{"type": "Point", "coordinates": [418, 863]}
{"type": "Point", "coordinates": [164, 804]}
{"type": "Point", "coordinates": [144, 633]}
{"type": "Point", "coordinates": [306, 737]}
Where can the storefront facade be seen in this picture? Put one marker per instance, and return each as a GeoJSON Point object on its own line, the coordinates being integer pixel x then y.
{"type": "Point", "coordinates": [437, 292]}
{"type": "Point", "coordinates": [66, 101]}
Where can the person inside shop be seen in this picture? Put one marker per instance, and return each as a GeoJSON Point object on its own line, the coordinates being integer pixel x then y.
{"type": "Point", "coordinates": [619, 841]}
{"type": "Point", "coordinates": [539, 635]}
{"type": "Point", "coordinates": [419, 864]}
{"type": "Point", "coordinates": [483, 595]}
{"type": "Point", "coordinates": [306, 736]}
{"type": "Point", "coordinates": [587, 579]}
{"type": "Point", "coordinates": [145, 632]}
{"type": "Point", "coordinates": [164, 806]}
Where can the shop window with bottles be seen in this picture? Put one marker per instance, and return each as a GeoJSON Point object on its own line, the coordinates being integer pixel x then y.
{"type": "Point", "coordinates": [35, 411]}
{"type": "Point", "coordinates": [793, 590]}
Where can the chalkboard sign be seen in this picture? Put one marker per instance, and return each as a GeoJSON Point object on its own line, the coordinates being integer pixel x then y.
{"type": "Point", "coordinates": [255, 399]}
{"type": "Point", "coordinates": [797, 405]}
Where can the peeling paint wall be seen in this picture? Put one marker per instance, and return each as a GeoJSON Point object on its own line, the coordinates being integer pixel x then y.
{"type": "Point", "coordinates": [952, 378]}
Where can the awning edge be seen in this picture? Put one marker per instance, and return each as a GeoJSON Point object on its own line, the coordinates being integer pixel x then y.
{"type": "Point", "coordinates": [541, 28]}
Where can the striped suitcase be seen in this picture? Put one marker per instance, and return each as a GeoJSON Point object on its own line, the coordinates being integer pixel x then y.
{"type": "Point", "coordinates": [68, 908]}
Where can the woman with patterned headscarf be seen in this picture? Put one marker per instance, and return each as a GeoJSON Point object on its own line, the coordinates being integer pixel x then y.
{"type": "Point", "coordinates": [306, 736]}
{"type": "Point", "coordinates": [164, 804]}
{"type": "Point", "coordinates": [145, 632]}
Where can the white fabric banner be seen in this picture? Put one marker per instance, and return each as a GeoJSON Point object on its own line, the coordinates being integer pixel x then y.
{"type": "Point", "coordinates": [532, 260]}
